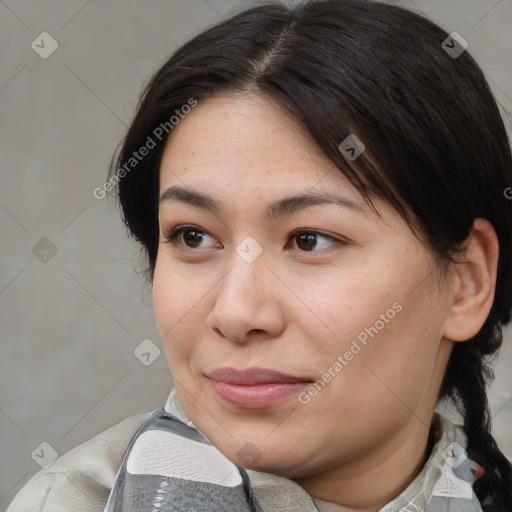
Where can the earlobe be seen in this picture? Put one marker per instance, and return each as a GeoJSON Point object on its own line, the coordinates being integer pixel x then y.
{"type": "Point", "coordinates": [474, 283]}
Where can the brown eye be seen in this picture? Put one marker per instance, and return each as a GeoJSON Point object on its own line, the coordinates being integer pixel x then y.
{"type": "Point", "coordinates": [190, 237]}
{"type": "Point", "coordinates": [306, 242]}
{"type": "Point", "coordinates": [312, 241]}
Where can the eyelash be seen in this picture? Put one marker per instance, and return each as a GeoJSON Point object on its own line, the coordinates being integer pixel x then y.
{"type": "Point", "coordinates": [171, 236]}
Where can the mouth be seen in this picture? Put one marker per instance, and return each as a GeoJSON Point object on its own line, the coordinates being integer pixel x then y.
{"type": "Point", "coordinates": [255, 388]}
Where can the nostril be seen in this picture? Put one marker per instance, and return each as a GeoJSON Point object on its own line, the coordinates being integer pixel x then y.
{"type": "Point", "coordinates": [216, 330]}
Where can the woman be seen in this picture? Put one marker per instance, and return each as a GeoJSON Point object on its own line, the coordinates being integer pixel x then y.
{"type": "Point", "coordinates": [320, 191]}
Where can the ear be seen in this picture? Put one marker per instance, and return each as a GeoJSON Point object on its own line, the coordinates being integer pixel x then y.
{"type": "Point", "coordinates": [474, 283]}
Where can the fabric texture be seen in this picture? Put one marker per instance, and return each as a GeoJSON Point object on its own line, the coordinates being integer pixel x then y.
{"type": "Point", "coordinates": [83, 479]}
{"type": "Point", "coordinates": [170, 466]}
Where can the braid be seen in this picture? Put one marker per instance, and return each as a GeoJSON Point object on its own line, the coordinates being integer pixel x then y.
{"type": "Point", "coordinates": [466, 379]}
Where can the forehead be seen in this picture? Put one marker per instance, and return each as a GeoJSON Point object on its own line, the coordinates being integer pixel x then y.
{"type": "Point", "coordinates": [246, 153]}
{"type": "Point", "coordinates": [247, 139]}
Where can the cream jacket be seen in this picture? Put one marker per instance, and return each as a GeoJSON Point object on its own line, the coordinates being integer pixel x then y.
{"type": "Point", "coordinates": [81, 480]}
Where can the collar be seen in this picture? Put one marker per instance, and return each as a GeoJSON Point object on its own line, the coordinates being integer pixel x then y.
{"type": "Point", "coordinates": [445, 480]}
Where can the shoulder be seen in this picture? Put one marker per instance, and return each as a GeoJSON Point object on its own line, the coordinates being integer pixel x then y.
{"type": "Point", "coordinates": [82, 478]}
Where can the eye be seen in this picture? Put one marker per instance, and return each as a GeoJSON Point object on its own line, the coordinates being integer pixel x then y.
{"type": "Point", "coordinates": [191, 237]}
{"type": "Point", "coordinates": [188, 236]}
{"type": "Point", "coordinates": [308, 240]}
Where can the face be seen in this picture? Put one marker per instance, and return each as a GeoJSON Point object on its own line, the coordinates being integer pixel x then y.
{"type": "Point", "coordinates": [347, 309]}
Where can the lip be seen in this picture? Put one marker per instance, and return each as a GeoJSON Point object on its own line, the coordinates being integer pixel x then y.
{"type": "Point", "coordinates": [255, 388]}
{"type": "Point", "coordinates": [253, 375]}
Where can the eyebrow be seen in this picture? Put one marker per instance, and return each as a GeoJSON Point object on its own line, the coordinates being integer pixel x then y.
{"type": "Point", "coordinates": [279, 208]}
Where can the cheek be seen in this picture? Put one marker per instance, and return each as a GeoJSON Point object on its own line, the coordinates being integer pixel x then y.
{"type": "Point", "coordinates": [387, 338]}
{"type": "Point", "coordinates": [388, 366]}
{"type": "Point", "coordinates": [176, 295]}
{"type": "Point", "coordinates": [349, 308]}
{"type": "Point", "coordinates": [166, 305]}
{"type": "Point", "coordinates": [175, 304]}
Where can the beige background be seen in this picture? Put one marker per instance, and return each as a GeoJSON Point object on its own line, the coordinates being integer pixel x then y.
{"type": "Point", "coordinates": [70, 325]}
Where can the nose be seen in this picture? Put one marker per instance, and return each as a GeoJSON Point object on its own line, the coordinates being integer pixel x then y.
{"type": "Point", "coordinates": [247, 306]}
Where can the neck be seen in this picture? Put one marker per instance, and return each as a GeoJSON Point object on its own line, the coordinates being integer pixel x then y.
{"type": "Point", "coordinates": [373, 480]}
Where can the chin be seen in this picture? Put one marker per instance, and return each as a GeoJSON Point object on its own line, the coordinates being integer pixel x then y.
{"type": "Point", "coordinates": [300, 470]}
{"type": "Point", "coordinates": [269, 459]}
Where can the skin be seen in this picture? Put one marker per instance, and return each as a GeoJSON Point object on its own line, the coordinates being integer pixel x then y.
{"type": "Point", "coordinates": [363, 438]}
